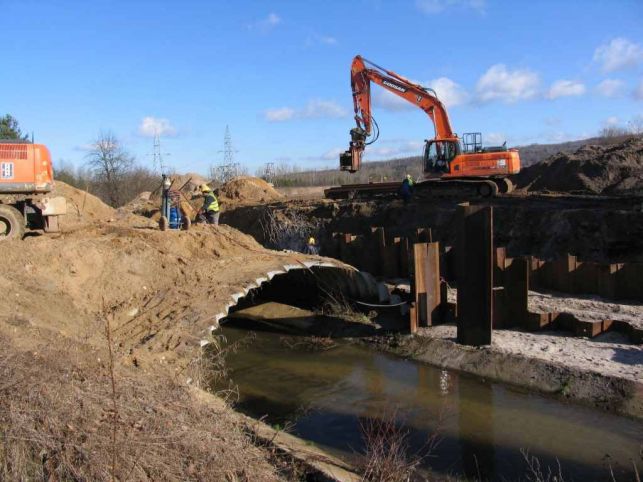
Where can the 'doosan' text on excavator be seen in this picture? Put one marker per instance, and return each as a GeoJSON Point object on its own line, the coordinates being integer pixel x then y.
{"type": "Point", "coordinates": [451, 164]}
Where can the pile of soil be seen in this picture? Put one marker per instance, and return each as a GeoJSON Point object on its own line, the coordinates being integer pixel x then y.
{"type": "Point", "coordinates": [82, 207]}
{"type": "Point", "coordinates": [249, 190]}
{"type": "Point", "coordinates": [592, 169]}
{"type": "Point", "coordinates": [156, 294]}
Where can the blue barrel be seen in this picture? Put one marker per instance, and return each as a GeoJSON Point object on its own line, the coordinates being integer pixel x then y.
{"type": "Point", "coordinates": [175, 218]}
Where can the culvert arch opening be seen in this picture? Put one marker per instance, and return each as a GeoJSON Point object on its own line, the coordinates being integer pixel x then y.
{"type": "Point", "coordinates": [312, 300]}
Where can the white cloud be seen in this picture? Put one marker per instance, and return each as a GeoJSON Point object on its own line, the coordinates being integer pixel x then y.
{"type": "Point", "coordinates": [322, 39]}
{"type": "Point", "coordinates": [318, 108]}
{"type": "Point", "coordinates": [384, 99]}
{"type": "Point", "coordinates": [611, 121]}
{"type": "Point", "coordinates": [499, 83]}
{"type": "Point", "coordinates": [448, 91]}
{"type": "Point", "coordinates": [395, 148]}
{"type": "Point", "coordinates": [266, 24]}
{"type": "Point", "coordinates": [279, 115]}
{"type": "Point", "coordinates": [432, 7]}
{"type": "Point", "coordinates": [314, 39]}
{"type": "Point", "coordinates": [565, 88]}
{"type": "Point", "coordinates": [314, 109]}
{"type": "Point", "coordinates": [618, 54]}
{"type": "Point", "coordinates": [638, 91]}
{"type": "Point", "coordinates": [610, 87]}
{"type": "Point", "coordinates": [151, 126]}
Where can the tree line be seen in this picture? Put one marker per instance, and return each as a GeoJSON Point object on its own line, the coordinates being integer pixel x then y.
{"type": "Point", "coordinates": [291, 175]}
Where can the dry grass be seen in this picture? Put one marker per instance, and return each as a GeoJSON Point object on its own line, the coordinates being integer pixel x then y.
{"type": "Point", "coordinates": [283, 231]}
{"type": "Point", "coordinates": [388, 456]}
{"type": "Point", "coordinates": [62, 419]}
{"type": "Point", "coordinates": [535, 471]}
{"type": "Point", "coordinates": [336, 305]}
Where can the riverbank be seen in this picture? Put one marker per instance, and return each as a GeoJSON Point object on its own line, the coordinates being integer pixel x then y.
{"type": "Point", "coordinates": [605, 372]}
{"type": "Point", "coordinates": [103, 329]}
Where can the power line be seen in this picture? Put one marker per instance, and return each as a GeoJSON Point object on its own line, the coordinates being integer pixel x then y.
{"type": "Point", "coordinates": [229, 168]}
{"type": "Point", "coordinates": [157, 155]}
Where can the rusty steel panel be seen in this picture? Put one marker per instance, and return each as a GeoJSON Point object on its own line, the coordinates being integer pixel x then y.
{"type": "Point", "coordinates": [432, 283]}
{"type": "Point", "coordinates": [413, 318]}
{"type": "Point", "coordinates": [500, 314]}
{"type": "Point", "coordinates": [474, 274]}
{"type": "Point", "coordinates": [586, 277]}
{"type": "Point", "coordinates": [517, 291]}
{"type": "Point", "coordinates": [404, 258]}
{"type": "Point", "coordinates": [419, 287]}
{"type": "Point", "coordinates": [607, 280]}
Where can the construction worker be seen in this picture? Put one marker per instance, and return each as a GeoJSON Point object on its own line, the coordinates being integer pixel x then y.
{"type": "Point", "coordinates": [311, 246]}
{"type": "Point", "coordinates": [406, 189]}
{"type": "Point", "coordinates": [209, 212]}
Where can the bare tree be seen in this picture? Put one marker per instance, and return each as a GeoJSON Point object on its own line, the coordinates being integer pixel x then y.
{"type": "Point", "coordinates": [110, 164]}
{"type": "Point", "coordinates": [614, 131]}
{"type": "Point", "coordinates": [636, 125]}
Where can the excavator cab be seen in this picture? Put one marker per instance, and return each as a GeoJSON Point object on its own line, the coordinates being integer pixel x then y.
{"type": "Point", "coordinates": [439, 154]}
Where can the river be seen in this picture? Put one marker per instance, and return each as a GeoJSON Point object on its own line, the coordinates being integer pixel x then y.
{"type": "Point", "coordinates": [325, 396]}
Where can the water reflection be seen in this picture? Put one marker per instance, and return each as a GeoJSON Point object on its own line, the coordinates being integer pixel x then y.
{"type": "Point", "coordinates": [483, 426]}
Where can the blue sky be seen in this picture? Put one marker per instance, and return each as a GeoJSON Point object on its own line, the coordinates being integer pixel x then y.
{"type": "Point", "coordinates": [278, 73]}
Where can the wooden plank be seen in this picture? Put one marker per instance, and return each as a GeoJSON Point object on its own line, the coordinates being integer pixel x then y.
{"type": "Point", "coordinates": [475, 274]}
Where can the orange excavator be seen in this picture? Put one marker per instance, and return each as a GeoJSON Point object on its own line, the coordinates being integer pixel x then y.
{"type": "Point", "coordinates": [26, 183]}
{"type": "Point", "coordinates": [451, 165]}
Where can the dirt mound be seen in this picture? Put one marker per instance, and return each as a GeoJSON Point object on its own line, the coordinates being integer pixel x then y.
{"type": "Point", "coordinates": [187, 183]}
{"type": "Point", "coordinates": [82, 207]}
{"type": "Point", "coordinates": [249, 190]}
{"type": "Point", "coordinates": [594, 169]}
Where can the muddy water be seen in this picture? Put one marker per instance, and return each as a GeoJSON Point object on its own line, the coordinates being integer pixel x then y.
{"type": "Point", "coordinates": [483, 426]}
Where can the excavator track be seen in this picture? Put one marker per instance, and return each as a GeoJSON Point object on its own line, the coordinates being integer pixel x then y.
{"type": "Point", "coordinates": [461, 188]}
{"type": "Point", "coordinates": [431, 188]}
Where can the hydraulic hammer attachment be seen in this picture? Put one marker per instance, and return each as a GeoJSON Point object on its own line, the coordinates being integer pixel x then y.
{"type": "Point", "coordinates": [351, 159]}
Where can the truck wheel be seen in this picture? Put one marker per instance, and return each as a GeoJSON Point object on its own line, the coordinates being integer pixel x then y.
{"type": "Point", "coordinates": [12, 223]}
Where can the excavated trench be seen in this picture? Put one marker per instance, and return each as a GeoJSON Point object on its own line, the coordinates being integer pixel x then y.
{"type": "Point", "coordinates": [594, 229]}
{"type": "Point", "coordinates": [293, 367]}
{"type": "Point", "coordinates": [328, 391]}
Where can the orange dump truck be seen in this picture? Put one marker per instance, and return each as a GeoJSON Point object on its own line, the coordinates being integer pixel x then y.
{"type": "Point", "coordinates": [26, 181]}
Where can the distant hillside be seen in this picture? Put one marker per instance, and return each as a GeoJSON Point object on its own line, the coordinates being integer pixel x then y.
{"type": "Point", "coordinates": [534, 153]}
{"type": "Point", "coordinates": [378, 171]}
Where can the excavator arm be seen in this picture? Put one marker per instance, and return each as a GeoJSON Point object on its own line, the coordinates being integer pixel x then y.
{"type": "Point", "coordinates": [363, 73]}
